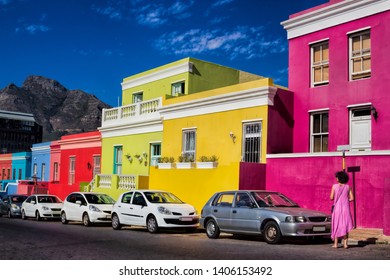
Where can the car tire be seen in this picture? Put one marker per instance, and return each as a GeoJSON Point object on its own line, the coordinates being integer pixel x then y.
{"type": "Point", "coordinates": [86, 220]}
{"type": "Point", "coordinates": [37, 216]}
{"type": "Point", "coordinates": [9, 214]}
{"type": "Point", "coordinates": [212, 229]}
{"type": "Point", "coordinates": [116, 224]}
{"type": "Point", "coordinates": [24, 217]}
{"type": "Point", "coordinates": [151, 224]}
{"type": "Point", "coordinates": [64, 221]}
{"type": "Point", "coordinates": [272, 234]}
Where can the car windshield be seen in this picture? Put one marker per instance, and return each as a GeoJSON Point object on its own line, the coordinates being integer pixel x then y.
{"type": "Point", "coordinates": [99, 198]}
{"type": "Point", "coordinates": [48, 199]}
{"type": "Point", "coordinates": [273, 199]}
{"type": "Point", "coordinates": [17, 199]}
{"type": "Point", "coordinates": [162, 197]}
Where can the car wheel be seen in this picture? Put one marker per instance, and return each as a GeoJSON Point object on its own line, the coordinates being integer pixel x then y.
{"type": "Point", "coordinates": [23, 215]}
{"type": "Point", "coordinates": [151, 224]}
{"type": "Point", "coordinates": [9, 214]}
{"type": "Point", "coordinates": [37, 216]}
{"type": "Point", "coordinates": [212, 229]}
{"type": "Point", "coordinates": [272, 234]}
{"type": "Point", "coordinates": [86, 220]}
{"type": "Point", "coordinates": [63, 218]}
{"type": "Point", "coordinates": [115, 222]}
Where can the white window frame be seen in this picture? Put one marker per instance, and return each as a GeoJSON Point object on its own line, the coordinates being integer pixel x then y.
{"type": "Point", "coordinates": [35, 169]}
{"type": "Point", "coordinates": [189, 147]}
{"type": "Point", "coordinates": [138, 97]}
{"type": "Point", "coordinates": [322, 64]}
{"type": "Point", "coordinates": [178, 88]}
{"type": "Point", "coordinates": [72, 170]}
{"type": "Point", "coordinates": [55, 172]}
{"type": "Point", "coordinates": [118, 155]}
{"type": "Point", "coordinates": [251, 142]}
{"type": "Point", "coordinates": [362, 54]}
{"type": "Point", "coordinates": [96, 159]}
{"type": "Point", "coordinates": [43, 171]}
{"type": "Point", "coordinates": [155, 153]}
{"type": "Point", "coordinates": [321, 133]}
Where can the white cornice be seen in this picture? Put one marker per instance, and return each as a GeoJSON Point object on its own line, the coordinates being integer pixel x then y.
{"type": "Point", "coordinates": [226, 102]}
{"type": "Point", "coordinates": [333, 15]}
{"type": "Point", "coordinates": [155, 76]}
{"type": "Point", "coordinates": [330, 154]}
{"type": "Point", "coordinates": [147, 126]}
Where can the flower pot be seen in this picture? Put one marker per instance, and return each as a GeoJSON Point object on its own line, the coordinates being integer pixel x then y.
{"type": "Point", "coordinates": [166, 165]}
{"type": "Point", "coordinates": [206, 164]}
{"type": "Point", "coordinates": [184, 165]}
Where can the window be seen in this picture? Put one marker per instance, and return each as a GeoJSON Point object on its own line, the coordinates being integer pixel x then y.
{"type": "Point", "coordinates": [155, 151]}
{"type": "Point", "coordinates": [360, 129]}
{"type": "Point", "coordinates": [224, 200]}
{"type": "Point", "coordinates": [55, 174]}
{"type": "Point", "coordinates": [189, 143]}
{"type": "Point", "coordinates": [72, 170]}
{"type": "Point", "coordinates": [14, 174]}
{"type": "Point", "coordinates": [360, 55]}
{"type": "Point", "coordinates": [35, 169]}
{"type": "Point", "coordinates": [3, 174]}
{"type": "Point", "coordinates": [43, 171]}
{"type": "Point", "coordinates": [8, 174]}
{"type": "Point", "coordinates": [20, 174]}
{"type": "Point", "coordinates": [320, 64]}
{"type": "Point", "coordinates": [319, 132]}
{"type": "Point", "coordinates": [96, 165]}
{"type": "Point", "coordinates": [178, 88]}
{"type": "Point", "coordinates": [251, 142]}
{"type": "Point", "coordinates": [138, 97]}
{"type": "Point", "coordinates": [118, 151]}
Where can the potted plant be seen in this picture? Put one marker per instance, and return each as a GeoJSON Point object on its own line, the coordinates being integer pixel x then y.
{"type": "Point", "coordinates": [207, 162]}
{"type": "Point", "coordinates": [166, 162]}
{"type": "Point", "coordinates": [185, 161]}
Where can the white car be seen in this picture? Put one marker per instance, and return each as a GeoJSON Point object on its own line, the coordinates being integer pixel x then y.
{"type": "Point", "coordinates": [87, 207]}
{"type": "Point", "coordinates": [41, 206]}
{"type": "Point", "coordinates": [153, 209]}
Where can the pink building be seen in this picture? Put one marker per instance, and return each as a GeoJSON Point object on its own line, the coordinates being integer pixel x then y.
{"type": "Point", "coordinates": [338, 72]}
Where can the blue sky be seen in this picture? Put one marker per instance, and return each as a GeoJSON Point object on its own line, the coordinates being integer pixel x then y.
{"type": "Point", "coordinates": [94, 45]}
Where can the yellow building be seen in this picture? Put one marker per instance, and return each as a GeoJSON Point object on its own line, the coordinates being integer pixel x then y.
{"type": "Point", "coordinates": [132, 134]}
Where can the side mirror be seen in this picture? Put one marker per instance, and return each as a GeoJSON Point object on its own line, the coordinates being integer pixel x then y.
{"type": "Point", "coordinates": [78, 202]}
{"type": "Point", "coordinates": [33, 202]}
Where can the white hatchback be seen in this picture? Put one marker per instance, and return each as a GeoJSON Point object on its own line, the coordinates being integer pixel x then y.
{"type": "Point", "coordinates": [41, 206]}
{"type": "Point", "coordinates": [153, 209]}
{"type": "Point", "coordinates": [87, 207]}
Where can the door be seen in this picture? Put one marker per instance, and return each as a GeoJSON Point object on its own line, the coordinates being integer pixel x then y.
{"type": "Point", "coordinates": [125, 208]}
{"type": "Point", "coordinates": [138, 210]}
{"type": "Point", "coordinates": [360, 134]}
{"type": "Point", "coordinates": [222, 210]}
{"type": "Point", "coordinates": [245, 217]}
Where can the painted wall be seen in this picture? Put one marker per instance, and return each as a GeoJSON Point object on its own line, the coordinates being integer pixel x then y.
{"type": "Point", "coordinates": [308, 181]}
{"type": "Point", "coordinates": [40, 155]}
{"type": "Point", "coordinates": [21, 163]}
{"type": "Point", "coordinates": [340, 92]}
{"type": "Point", "coordinates": [5, 166]}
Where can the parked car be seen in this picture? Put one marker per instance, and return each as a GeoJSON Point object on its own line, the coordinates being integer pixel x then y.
{"type": "Point", "coordinates": [270, 214]}
{"type": "Point", "coordinates": [87, 207]}
{"type": "Point", "coordinates": [41, 206]}
{"type": "Point", "coordinates": [153, 209]}
{"type": "Point", "coordinates": [10, 205]}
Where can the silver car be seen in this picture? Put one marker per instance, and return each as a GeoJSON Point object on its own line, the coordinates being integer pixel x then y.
{"type": "Point", "coordinates": [270, 214]}
{"type": "Point", "coordinates": [11, 204]}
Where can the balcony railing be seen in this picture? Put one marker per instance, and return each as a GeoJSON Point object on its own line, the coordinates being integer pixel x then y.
{"type": "Point", "coordinates": [121, 182]}
{"type": "Point", "coordinates": [131, 113]}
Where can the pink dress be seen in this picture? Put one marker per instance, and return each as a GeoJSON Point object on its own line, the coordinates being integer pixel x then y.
{"type": "Point", "coordinates": [341, 216]}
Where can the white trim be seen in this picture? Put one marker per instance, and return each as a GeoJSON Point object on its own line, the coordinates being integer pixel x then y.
{"type": "Point", "coordinates": [359, 30]}
{"type": "Point", "coordinates": [190, 128]}
{"type": "Point", "coordinates": [359, 105]}
{"type": "Point", "coordinates": [226, 102]}
{"type": "Point", "coordinates": [318, 110]}
{"type": "Point", "coordinates": [250, 121]}
{"type": "Point", "coordinates": [155, 142]}
{"type": "Point", "coordinates": [318, 41]}
{"type": "Point", "coordinates": [331, 154]}
{"type": "Point", "coordinates": [132, 129]}
{"type": "Point", "coordinates": [162, 74]}
{"type": "Point", "coordinates": [333, 15]}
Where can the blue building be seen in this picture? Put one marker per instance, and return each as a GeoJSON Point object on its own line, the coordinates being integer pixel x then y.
{"type": "Point", "coordinates": [40, 161]}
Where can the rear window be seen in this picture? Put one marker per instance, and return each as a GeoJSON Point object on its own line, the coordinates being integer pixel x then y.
{"type": "Point", "coordinates": [224, 200]}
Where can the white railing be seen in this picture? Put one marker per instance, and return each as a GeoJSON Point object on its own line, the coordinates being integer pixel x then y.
{"type": "Point", "coordinates": [131, 112]}
{"type": "Point", "coordinates": [127, 182]}
{"type": "Point", "coordinates": [104, 181]}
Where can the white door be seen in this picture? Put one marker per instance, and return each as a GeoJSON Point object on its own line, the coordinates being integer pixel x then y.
{"type": "Point", "coordinates": [360, 134]}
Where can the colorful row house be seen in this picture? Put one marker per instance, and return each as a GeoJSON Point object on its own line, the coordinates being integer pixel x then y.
{"type": "Point", "coordinates": [190, 111]}
{"type": "Point", "coordinates": [338, 73]}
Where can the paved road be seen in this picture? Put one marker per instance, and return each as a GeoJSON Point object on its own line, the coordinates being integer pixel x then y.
{"type": "Point", "coordinates": [51, 240]}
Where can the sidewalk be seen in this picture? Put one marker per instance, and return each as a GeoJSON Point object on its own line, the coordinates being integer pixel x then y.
{"type": "Point", "coordinates": [360, 236]}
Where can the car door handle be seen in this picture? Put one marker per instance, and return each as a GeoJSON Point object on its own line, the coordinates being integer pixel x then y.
{"type": "Point", "coordinates": [215, 210]}
{"type": "Point", "coordinates": [234, 211]}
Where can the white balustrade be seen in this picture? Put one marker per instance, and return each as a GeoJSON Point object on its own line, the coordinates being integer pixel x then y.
{"type": "Point", "coordinates": [105, 181]}
{"type": "Point", "coordinates": [127, 182]}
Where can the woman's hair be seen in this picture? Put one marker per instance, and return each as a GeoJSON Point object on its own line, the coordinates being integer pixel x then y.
{"type": "Point", "coordinates": [342, 177]}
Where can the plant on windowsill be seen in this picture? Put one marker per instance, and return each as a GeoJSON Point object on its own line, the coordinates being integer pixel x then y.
{"type": "Point", "coordinates": [129, 158]}
{"type": "Point", "coordinates": [205, 162]}
{"type": "Point", "coordinates": [185, 161]}
{"type": "Point", "coordinates": [166, 162]}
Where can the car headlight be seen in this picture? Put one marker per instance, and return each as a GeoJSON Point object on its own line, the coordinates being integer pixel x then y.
{"type": "Point", "coordinates": [296, 219]}
{"type": "Point", "coordinates": [45, 208]}
{"type": "Point", "coordinates": [164, 210]}
{"type": "Point", "coordinates": [94, 208]}
{"type": "Point", "coordinates": [15, 207]}
{"type": "Point", "coordinates": [329, 219]}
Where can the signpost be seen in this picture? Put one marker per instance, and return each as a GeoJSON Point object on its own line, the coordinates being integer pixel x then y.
{"type": "Point", "coordinates": [343, 148]}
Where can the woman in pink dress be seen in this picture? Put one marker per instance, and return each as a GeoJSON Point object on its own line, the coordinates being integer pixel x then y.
{"type": "Point", "coordinates": [341, 216]}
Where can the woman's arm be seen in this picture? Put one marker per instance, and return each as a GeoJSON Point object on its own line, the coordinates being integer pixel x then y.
{"type": "Point", "coordinates": [350, 194]}
{"type": "Point", "coordinates": [332, 194]}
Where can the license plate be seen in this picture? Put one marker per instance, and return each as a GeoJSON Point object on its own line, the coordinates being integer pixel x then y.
{"type": "Point", "coordinates": [108, 217]}
{"type": "Point", "coordinates": [185, 219]}
{"type": "Point", "coordinates": [319, 228]}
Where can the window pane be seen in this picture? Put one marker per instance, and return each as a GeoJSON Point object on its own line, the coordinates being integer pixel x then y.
{"type": "Point", "coordinates": [324, 144]}
{"type": "Point", "coordinates": [356, 65]}
{"type": "Point", "coordinates": [356, 43]}
{"type": "Point", "coordinates": [251, 143]}
{"type": "Point", "coordinates": [325, 52]}
{"type": "Point", "coordinates": [366, 41]}
{"type": "Point", "coordinates": [326, 73]}
{"type": "Point", "coordinates": [324, 123]}
{"type": "Point", "coordinates": [316, 54]}
{"type": "Point", "coordinates": [317, 144]}
{"type": "Point", "coordinates": [367, 63]}
{"type": "Point", "coordinates": [316, 123]}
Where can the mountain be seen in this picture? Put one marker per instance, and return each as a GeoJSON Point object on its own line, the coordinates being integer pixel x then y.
{"type": "Point", "coordinates": [60, 111]}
